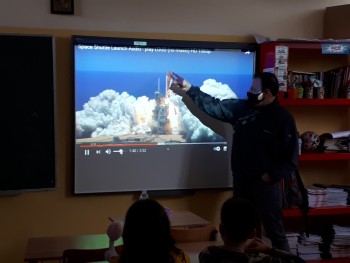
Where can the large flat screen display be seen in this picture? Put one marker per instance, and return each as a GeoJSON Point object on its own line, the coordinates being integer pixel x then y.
{"type": "Point", "coordinates": [133, 133]}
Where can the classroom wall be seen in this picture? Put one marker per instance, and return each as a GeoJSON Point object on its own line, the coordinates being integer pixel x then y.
{"type": "Point", "coordinates": [58, 212]}
{"type": "Point", "coordinates": [273, 18]}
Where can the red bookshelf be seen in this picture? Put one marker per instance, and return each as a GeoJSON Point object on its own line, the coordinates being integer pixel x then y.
{"type": "Point", "coordinates": [328, 156]}
{"type": "Point", "coordinates": [319, 102]}
{"type": "Point", "coordinates": [307, 56]}
{"type": "Point", "coordinates": [333, 260]}
{"type": "Point", "coordinates": [319, 211]}
{"type": "Point", "coordinates": [315, 102]}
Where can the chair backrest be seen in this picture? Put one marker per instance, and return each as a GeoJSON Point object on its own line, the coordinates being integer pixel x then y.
{"type": "Point", "coordinates": [194, 234]}
{"type": "Point", "coordinates": [86, 255]}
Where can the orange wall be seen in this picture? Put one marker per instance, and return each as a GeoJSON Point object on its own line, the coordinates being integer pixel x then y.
{"type": "Point", "coordinates": [53, 213]}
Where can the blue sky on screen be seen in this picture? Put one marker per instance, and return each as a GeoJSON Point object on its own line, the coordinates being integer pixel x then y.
{"type": "Point", "coordinates": [212, 62]}
{"type": "Point", "coordinates": [141, 72]}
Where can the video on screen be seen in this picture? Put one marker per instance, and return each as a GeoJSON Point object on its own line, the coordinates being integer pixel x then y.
{"type": "Point", "coordinates": [123, 95]}
{"type": "Point", "coordinates": [132, 132]}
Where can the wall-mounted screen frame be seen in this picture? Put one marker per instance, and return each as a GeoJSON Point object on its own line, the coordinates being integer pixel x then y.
{"type": "Point", "coordinates": [132, 133]}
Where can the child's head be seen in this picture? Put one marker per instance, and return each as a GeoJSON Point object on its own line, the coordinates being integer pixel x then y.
{"type": "Point", "coordinates": [239, 220]}
{"type": "Point", "coordinates": [147, 228]}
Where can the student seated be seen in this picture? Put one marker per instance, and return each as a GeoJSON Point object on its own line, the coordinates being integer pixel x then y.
{"type": "Point", "coordinates": [238, 226]}
{"type": "Point", "coordinates": [146, 236]}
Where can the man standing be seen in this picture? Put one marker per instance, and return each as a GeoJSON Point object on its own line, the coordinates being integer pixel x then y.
{"type": "Point", "coordinates": [264, 148]}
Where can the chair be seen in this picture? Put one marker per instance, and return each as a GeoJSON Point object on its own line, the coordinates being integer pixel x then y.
{"type": "Point", "coordinates": [194, 234]}
{"type": "Point", "coordinates": [86, 255]}
{"type": "Point", "coordinates": [83, 255]}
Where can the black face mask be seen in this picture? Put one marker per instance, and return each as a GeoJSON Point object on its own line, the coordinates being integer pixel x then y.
{"type": "Point", "coordinates": [254, 99]}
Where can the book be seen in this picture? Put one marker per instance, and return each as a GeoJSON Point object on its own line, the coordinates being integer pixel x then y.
{"type": "Point", "coordinates": [338, 144]}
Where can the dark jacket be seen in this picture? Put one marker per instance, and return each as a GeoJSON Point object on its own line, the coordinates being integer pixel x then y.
{"type": "Point", "coordinates": [265, 139]}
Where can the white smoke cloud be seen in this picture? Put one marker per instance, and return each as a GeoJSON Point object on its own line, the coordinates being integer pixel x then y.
{"type": "Point", "coordinates": [113, 113]}
{"type": "Point", "coordinates": [218, 90]}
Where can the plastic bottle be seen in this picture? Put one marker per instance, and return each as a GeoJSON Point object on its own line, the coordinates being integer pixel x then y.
{"type": "Point", "coordinates": [143, 195]}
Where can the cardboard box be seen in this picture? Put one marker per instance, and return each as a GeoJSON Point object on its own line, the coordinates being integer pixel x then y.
{"type": "Point", "coordinates": [337, 22]}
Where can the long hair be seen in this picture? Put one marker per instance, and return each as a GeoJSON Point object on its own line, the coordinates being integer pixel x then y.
{"type": "Point", "coordinates": [146, 234]}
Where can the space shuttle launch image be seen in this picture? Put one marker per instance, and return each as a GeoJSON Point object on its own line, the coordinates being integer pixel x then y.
{"type": "Point", "coordinates": [123, 93]}
{"type": "Point", "coordinates": [168, 91]}
{"type": "Point", "coordinates": [154, 120]}
{"type": "Point", "coordinates": [166, 113]}
{"type": "Point", "coordinates": [121, 118]}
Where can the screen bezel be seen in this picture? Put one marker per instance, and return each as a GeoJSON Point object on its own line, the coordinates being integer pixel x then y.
{"type": "Point", "coordinates": [162, 43]}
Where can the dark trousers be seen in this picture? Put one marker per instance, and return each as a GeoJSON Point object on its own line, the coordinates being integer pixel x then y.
{"type": "Point", "coordinates": [268, 201]}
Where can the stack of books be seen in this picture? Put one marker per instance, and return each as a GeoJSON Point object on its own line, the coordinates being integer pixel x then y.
{"type": "Point", "coordinates": [336, 197]}
{"type": "Point", "coordinates": [336, 141]}
{"type": "Point", "coordinates": [340, 246]}
{"type": "Point", "coordinates": [317, 196]}
{"type": "Point", "coordinates": [293, 240]}
{"type": "Point", "coordinates": [331, 241]}
{"type": "Point", "coordinates": [308, 247]}
{"type": "Point", "coordinates": [331, 195]}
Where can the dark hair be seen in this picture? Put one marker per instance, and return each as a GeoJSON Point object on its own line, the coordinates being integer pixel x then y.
{"type": "Point", "coordinates": [268, 81]}
{"type": "Point", "coordinates": [146, 234]}
{"type": "Point", "coordinates": [239, 218]}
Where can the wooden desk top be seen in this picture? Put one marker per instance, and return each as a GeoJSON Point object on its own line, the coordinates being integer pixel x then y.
{"type": "Point", "coordinates": [182, 219]}
{"type": "Point", "coordinates": [186, 219]}
{"type": "Point", "coordinates": [51, 248]}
